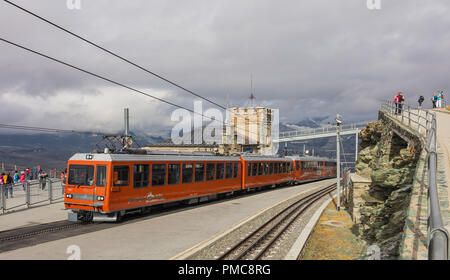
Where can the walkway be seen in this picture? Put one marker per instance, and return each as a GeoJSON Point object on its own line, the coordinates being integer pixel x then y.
{"type": "Point", "coordinates": [443, 138]}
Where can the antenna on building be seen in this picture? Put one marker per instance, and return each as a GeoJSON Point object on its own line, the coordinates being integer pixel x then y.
{"type": "Point", "coordinates": [252, 96]}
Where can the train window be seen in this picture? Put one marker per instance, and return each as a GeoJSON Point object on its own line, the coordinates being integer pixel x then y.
{"type": "Point", "coordinates": [260, 168]}
{"type": "Point", "coordinates": [173, 174]}
{"type": "Point", "coordinates": [121, 175]}
{"type": "Point", "coordinates": [81, 175]}
{"type": "Point", "coordinates": [271, 168]}
{"type": "Point", "coordinates": [199, 172]}
{"type": "Point", "coordinates": [254, 169]}
{"type": "Point", "coordinates": [220, 171]}
{"type": "Point", "coordinates": [235, 169]}
{"type": "Point", "coordinates": [249, 169]}
{"type": "Point", "coordinates": [228, 170]}
{"type": "Point", "coordinates": [158, 175]}
{"type": "Point", "coordinates": [266, 168]}
{"type": "Point", "coordinates": [297, 165]}
{"type": "Point", "coordinates": [210, 171]}
{"type": "Point", "coordinates": [275, 167]}
{"type": "Point", "coordinates": [187, 173]}
{"type": "Point", "coordinates": [100, 177]}
{"type": "Point", "coordinates": [141, 175]}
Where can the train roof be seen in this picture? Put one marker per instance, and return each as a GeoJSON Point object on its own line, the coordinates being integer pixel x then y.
{"type": "Point", "coordinates": [144, 157]}
{"type": "Point", "coordinates": [264, 158]}
{"type": "Point", "coordinates": [311, 158]}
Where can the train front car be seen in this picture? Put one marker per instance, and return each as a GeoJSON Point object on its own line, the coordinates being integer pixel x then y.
{"type": "Point", "coordinates": [104, 187]}
{"type": "Point", "coordinates": [86, 190]}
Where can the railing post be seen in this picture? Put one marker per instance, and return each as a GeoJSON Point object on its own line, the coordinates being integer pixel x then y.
{"type": "Point", "coordinates": [409, 116]}
{"type": "Point", "coordinates": [28, 193]}
{"type": "Point", "coordinates": [3, 189]}
{"type": "Point", "coordinates": [50, 190]}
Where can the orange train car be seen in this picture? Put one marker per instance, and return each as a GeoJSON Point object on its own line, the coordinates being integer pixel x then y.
{"type": "Point", "coordinates": [106, 186]}
{"type": "Point", "coordinates": [262, 171]}
{"type": "Point", "coordinates": [313, 168]}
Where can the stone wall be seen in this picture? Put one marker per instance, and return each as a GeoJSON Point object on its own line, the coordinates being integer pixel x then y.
{"type": "Point", "coordinates": [387, 160]}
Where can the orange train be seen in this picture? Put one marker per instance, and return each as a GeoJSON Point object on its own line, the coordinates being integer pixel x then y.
{"type": "Point", "coordinates": [104, 186]}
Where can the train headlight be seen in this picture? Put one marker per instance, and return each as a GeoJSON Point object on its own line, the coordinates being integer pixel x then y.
{"type": "Point", "coordinates": [100, 198]}
{"type": "Point", "coordinates": [69, 195]}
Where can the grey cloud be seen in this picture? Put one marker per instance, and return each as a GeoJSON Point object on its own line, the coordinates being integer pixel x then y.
{"type": "Point", "coordinates": [307, 57]}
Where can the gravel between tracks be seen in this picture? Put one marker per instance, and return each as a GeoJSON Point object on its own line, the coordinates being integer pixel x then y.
{"type": "Point", "coordinates": [281, 247]}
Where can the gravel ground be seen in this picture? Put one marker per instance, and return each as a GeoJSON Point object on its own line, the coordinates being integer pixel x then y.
{"type": "Point", "coordinates": [217, 248]}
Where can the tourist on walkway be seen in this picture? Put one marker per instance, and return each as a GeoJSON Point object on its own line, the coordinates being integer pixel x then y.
{"type": "Point", "coordinates": [396, 98]}
{"type": "Point", "coordinates": [421, 99]}
{"type": "Point", "coordinates": [22, 179]}
{"type": "Point", "coordinates": [434, 100]}
{"type": "Point", "coordinates": [27, 174]}
{"type": "Point", "coordinates": [8, 184]}
{"type": "Point", "coordinates": [2, 185]}
{"type": "Point", "coordinates": [399, 99]}
{"type": "Point", "coordinates": [42, 179]}
{"type": "Point", "coordinates": [439, 98]}
{"type": "Point", "coordinates": [16, 176]}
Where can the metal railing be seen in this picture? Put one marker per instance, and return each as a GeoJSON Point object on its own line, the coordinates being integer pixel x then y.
{"type": "Point", "coordinates": [321, 130]}
{"type": "Point", "coordinates": [30, 193]}
{"type": "Point", "coordinates": [346, 185]}
{"type": "Point", "coordinates": [438, 237]}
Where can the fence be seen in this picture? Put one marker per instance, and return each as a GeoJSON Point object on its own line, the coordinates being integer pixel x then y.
{"type": "Point", "coordinates": [424, 122]}
{"type": "Point", "coordinates": [31, 193]}
{"type": "Point", "coordinates": [321, 130]}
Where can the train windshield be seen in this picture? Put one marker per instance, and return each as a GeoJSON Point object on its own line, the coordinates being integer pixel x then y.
{"type": "Point", "coordinates": [82, 175]}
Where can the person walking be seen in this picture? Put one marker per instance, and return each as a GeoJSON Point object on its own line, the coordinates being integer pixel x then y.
{"type": "Point", "coordinates": [3, 186]}
{"type": "Point", "coordinates": [434, 99]}
{"type": "Point", "coordinates": [401, 100]}
{"type": "Point", "coordinates": [16, 176]}
{"type": "Point", "coordinates": [439, 97]}
{"type": "Point", "coordinates": [421, 99]}
{"type": "Point", "coordinates": [9, 184]}
{"type": "Point", "coordinates": [396, 98]}
{"type": "Point", "coordinates": [27, 174]}
{"type": "Point", "coordinates": [42, 179]}
{"type": "Point", "coordinates": [63, 177]}
{"type": "Point", "coordinates": [22, 179]}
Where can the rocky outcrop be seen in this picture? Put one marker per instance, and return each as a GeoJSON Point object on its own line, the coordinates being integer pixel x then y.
{"type": "Point", "coordinates": [389, 162]}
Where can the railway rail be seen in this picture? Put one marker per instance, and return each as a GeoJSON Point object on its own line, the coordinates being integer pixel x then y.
{"type": "Point", "coordinates": [255, 245]}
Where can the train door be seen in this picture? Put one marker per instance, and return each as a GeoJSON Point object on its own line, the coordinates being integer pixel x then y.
{"type": "Point", "coordinates": [120, 179]}
{"type": "Point", "coordinates": [100, 184]}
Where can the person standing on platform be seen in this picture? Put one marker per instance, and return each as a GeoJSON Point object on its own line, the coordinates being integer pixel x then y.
{"type": "Point", "coordinates": [23, 179]}
{"type": "Point", "coordinates": [401, 100]}
{"type": "Point", "coordinates": [434, 99]}
{"type": "Point", "coordinates": [421, 99]}
{"type": "Point", "coordinates": [396, 98]}
{"type": "Point", "coordinates": [439, 97]}
{"type": "Point", "coordinates": [9, 184]}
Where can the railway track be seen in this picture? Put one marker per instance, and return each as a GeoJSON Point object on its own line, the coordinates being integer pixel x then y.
{"type": "Point", "coordinates": [255, 245]}
{"type": "Point", "coordinates": [28, 232]}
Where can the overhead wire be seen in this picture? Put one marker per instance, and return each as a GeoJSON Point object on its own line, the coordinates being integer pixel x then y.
{"type": "Point", "coordinates": [108, 79]}
{"type": "Point", "coordinates": [118, 56]}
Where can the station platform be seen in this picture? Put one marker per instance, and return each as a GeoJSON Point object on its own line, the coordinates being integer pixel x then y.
{"type": "Point", "coordinates": [36, 215]}
{"type": "Point", "coordinates": [160, 236]}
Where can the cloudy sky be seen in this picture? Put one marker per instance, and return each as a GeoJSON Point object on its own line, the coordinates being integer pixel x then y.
{"type": "Point", "coordinates": [308, 58]}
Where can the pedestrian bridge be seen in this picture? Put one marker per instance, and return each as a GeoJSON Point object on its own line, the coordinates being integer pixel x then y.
{"type": "Point", "coordinates": [329, 131]}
